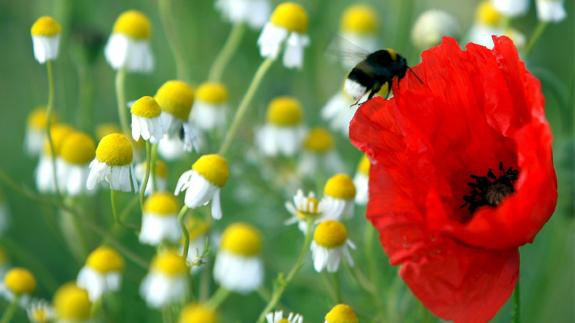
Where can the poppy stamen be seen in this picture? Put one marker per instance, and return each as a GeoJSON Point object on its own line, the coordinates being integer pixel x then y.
{"type": "Point", "coordinates": [489, 190]}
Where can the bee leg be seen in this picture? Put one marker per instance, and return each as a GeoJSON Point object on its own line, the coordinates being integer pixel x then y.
{"type": "Point", "coordinates": [374, 90]}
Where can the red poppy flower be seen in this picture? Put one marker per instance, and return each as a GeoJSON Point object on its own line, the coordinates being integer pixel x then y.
{"type": "Point", "coordinates": [462, 175]}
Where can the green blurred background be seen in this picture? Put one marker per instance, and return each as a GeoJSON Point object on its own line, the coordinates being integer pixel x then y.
{"type": "Point", "coordinates": [547, 269]}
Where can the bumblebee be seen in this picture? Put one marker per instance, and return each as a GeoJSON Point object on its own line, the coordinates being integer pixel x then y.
{"type": "Point", "coordinates": [378, 69]}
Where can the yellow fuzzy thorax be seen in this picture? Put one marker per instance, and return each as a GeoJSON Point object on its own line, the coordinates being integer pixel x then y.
{"type": "Point", "coordinates": [330, 234]}
{"type": "Point", "coordinates": [341, 313]}
{"type": "Point", "coordinates": [364, 165]}
{"type": "Point", "coordinates": [105, 260]}
{"type": "Point", "coordinates": [212, 93]}
{"type": "Point", "coordinates": [105, 129]}
{"type": "Point", "coordinates": [46, 26]}
{"type": "Point", "coordinates": [115, 150]}
{"type": "Point", "coordinates": [198, 313]}
{"type": "Point", "coordinates": [72, 303]}
{"type": "Point", "coordinates": [290, 16]}
{"type": "Point", "coordinates": [359, 19]}
{"type": "Point", "coordinates": [20, 281]}
{"type": "Point", "coordinates": [214, 168]}
{"type": "Point", "coordinates": [133, 24]}
{"type": "Point", "coordinates": [162, 204]}
{"type": "Point", "coordinates": [78, 149]}
{"type": "Point", "coordinates": [284, 112]}
{"type": "Point", "coordinates": [197, 227]}
{"type": "Point", "coordinates": [146, 107]}
{"type": "Point", "coordinates": [169, 263]}
{"type": "Point", "coordinates": [58, 133]}
{"type": "Point", "coordinates": [319, 140]}
{"type": "Point", "coordinates": [38, 118]}
{"type": "Point", "coordinates": [340, 186]}
{"type": "Point", "coordinates": [176, 98]}
{"type": "Point", "coordinates": [487, 15]}
{"type": "Point", "coordinates": [242, 239]}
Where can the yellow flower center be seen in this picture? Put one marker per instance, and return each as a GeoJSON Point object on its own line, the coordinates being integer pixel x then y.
{"type": "Point", "coordinates": [58, 133]}
{"type": "Point", "coordinates": [39, 315]}
{"type": "Point", "coordinates": [115, 150]}
{"type": "Point", "coordinates": [46, 26]}
{"type": "Point", "coordinates": [20, 281]}
{"type": "Point", "coordinates": [169, 263]}
{"type": "Point", "coordinates": [176, 98]}
{"type": "Point", "coordinates": [105, 129]}
{"type": "Point", "coordinates": [312, 210]}
{"type": "Point", "coordinates": [364, 164]}
{"type": "Point", "coordinates": [341, 313]}
{"type": "Point", "coordinates": [78, 149]}
{"type": "Point", "coordinates": [242, 239]}
{"type": "Point", "coordinates": [487, 14]}
{"type": "Point", "coordinates": [330, 234]}
{"type": "Point", "coordinates": [105, 260]}
{"type": "Point", "coordinates": [290, 16]}
{"type": "Point", "coordinates": [146, 107]}
{"type": "Point", "coordinates": [133, 24]}
{"type": "Point", "coordinates": [283, 321]}
{"type": "Point", "coordinates": [197, 227]}
{"type": "Point", "coordinates": [359, 19]}
{"type": "Point", "coordinates": [319, 140]}
{"type": "Point", "coordinates": [163, 204]}
{"type": "Point", "coordinates": [212, 93]}
{"type": "Point", "coordinates": [72, 303]}
{"type": "Point", "coordinates": [285, 112]}
{"type": "Point", "coordinates": [340, 186]}
{"type": "Point", "coordinates": [197, 313]}
{"type": "Point", "coordinates": [38, 118]}
{"type": "Point", "coordinates": [214, 168]}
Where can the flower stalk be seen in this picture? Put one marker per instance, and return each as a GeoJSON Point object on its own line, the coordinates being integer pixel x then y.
{"type": "Point", "coordinates": [121, 99]}
{"type": "Point", "coordinates": [516, 314]}
{"type": "Point", "coordinates": [535, 37]}
{"type": "Point", "coordinates": [218, 298]}
{"type": "Point", "coordinates": [146, 175]}
{"type": "Point", "coordinates": [185, 232]}
{"type": "Point", "coordinates": [166, 16]}
{"type": "Point", "coordinates": [49, 112]}
{"type": "Point", "coordinates": [230, 47]}
{"type": "Point", "coordinates": [10, 311]}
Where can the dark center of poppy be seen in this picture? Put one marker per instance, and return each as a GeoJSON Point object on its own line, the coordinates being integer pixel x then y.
{"type": "Point", "coordinates": [489, 190]}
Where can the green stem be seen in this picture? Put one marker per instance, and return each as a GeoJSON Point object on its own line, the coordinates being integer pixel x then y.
{"type": "Point", "coordinates": [182, 220]}
{"type": "Point", "coordinates": [535, 37]}
{"type": "Point", "coordinates": [49, 112]}
{"type": "Point", "coordinates": [146, 176]}
{"type": "Point", "coordinates": [279, 290]}
{"type": "Point", "coordinates": [10, 311]}
{"type": "Point", "coordinates": [245, 103]}
{"type": "Point", "coordinates": [516, 314]}
{"type": "Point", "coordinates": [218, 298]}
{"type": "Point", "coordinates": [117, 218]}
{"type": "Point", "coordinates": [153, 160]}
{"type": "Point", "coordinates": [230, 46]}
{"type": "Point", "coordinates": [167, 18]}
{"type": "Point", "coordinates": [121, 99]}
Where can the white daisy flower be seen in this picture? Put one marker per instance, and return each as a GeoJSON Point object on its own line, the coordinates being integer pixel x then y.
{"type": "Point", "coordinates": [203, 183]}
{"type": "Point", "coordinates": [339, 111]}
{"type": "Point", "coordinates": [40, 311]}
{"type": "Point", "coordinates": [167, 281]}
{"type": "Point", "coordinates": [36, 130]}
{"type": "Point", "coordinates": [72, 304]}
{"type": "Point", "coordinates": [254, 13]}
{"type": "Point", "coordinates": [210, 107]}
{"type": "Point", "coordinates": [73, 163]}
{"type": "Point", "coordinates": [283, 132]}
{"type": "Point", "coordinates": [550, 10]}
{"type": "Point", "coordinates": [129, 45]}
{"type": "Point", "coordinates": [278, 317]}
{"type": "Point", "coordinates": [341, 313]}
{"type": "Point", "coordinates": [102, 272]}
{"type": "Point", "coordinates": [488, 21]}
{"type": "Point", "coordinates": [18, 283]}
{"type": "Point", "coordinates": [330, 245]}
{"type": "Point", "coordinates": [146, 120]}
{"type": "Point", "coordinates": [113, 164]}
{"type": "Point", "coordinates": [303, 208]}
{"type": "Point", "coordinates": [361, 181]}
{"type": "Point", "coordinates": [46, 39]}
{"type": "Point", "coordinates": [160, 220]}
{"type": "Point", "coordinates": [198, 313]}
{"type": "Point", "coordinates": [339, 194]}
{"type": "Point", "coordinates": [287, 27]}
{"type": "Point", "coordinates": [511, 8]}
{"type": "Point", "coordinates": [358, 34]}
{"type": "Point", "coordinates": [158, 182]}
{"type": "Point", "coordinates": [431, 26]}
{"type": "Point", "coordinates": [238, 265]}
{"type": "Point", "coordinates": [319, 154]}
{"type": "Point", "coordinates": [45, 177]}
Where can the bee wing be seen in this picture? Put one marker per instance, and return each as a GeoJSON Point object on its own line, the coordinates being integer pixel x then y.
{"type": "Point", "coordinates": [348, 51]}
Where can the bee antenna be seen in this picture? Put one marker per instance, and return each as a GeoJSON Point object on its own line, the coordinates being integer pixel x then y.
{"type": "Point", "coordinates": [417, 76]}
